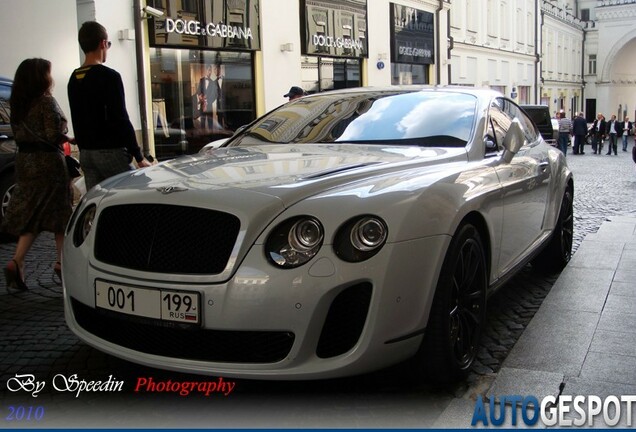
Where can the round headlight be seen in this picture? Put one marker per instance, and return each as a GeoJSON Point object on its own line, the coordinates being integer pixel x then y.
{"type": "Point", "coordinates": [294, 242]}
{"type": "Point", "coordinates": [368, 234]}
{"type": "Point", "coordinates": [84, 225]}
{"type": "Point", "coordinates": [360, 238]}
{"type": "Point", "coordinates": [305, 235]}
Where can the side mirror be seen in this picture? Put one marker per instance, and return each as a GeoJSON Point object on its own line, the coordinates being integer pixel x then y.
{"type": "Point", "coordinates": [513, 141]}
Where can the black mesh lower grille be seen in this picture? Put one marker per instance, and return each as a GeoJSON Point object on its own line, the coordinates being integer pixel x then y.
{"type": "Point", "coordinates": [345, 321]}
{"type": "Point", "coordinates": [166, 238]}
{"type": "Point", "coordinates": [183, 341]}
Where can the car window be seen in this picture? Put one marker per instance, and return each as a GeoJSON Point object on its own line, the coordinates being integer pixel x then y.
{"type": "Point", "coordinates": [432, 118]}
{"type": "Point", "coordinates": [529, 128]}
{"type": "Point", "coordinates": [5, 91]}
{"type": "Point", "coordinates": [499, 123]}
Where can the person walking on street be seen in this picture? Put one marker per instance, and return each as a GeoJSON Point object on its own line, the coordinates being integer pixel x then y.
{"type": "Point", "coordinates": [614, 130]}
{"type": "Point", "coordinates": [42, 198]}
{"type": "Point", "coordinates": [103, 131]}
{"type": "Point", "coordinates": [627, 130]}
{"type": "Point", "coordinates": [579, 129]}
{"type": "Point", "coordinates": [598, 133]}
{"type": "Point", "coordinates": [565, 130]}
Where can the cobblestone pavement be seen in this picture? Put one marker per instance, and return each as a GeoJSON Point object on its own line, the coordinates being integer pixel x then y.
{"type": "Point", "coordinates": [34, 338]}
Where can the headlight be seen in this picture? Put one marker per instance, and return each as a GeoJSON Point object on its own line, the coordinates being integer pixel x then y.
{"type": "Point", "coordinates": [360, 238]}
{"type": "Point", "coordinates": [84, 225]}
{"type": "Point", "coordinates": [294, 242]}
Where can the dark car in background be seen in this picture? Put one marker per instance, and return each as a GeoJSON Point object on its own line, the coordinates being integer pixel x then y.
{"type": "Point", "coordinates": [540, 115]}
{"type": "Point", "coordinates": [170, 142]}
{"type": "Point", "coordinates": [7, 147]}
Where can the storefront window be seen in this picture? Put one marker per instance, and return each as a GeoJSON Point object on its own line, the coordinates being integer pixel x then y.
{"type": "Point", "coordinates": [412, 45]}
{"type": "Point", "coordinates": [329, 73]}
{"type": "Point", "coordinates": [405, 74]}
{"type": "Point", "coordinates": [198, 97]}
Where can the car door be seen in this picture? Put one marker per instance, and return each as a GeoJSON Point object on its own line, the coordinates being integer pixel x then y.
{"type": "Point", "coordinates": [525, 185]}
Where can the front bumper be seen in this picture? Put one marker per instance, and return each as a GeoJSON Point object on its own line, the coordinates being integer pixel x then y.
{"type": "Point", "coordinates": [324, 319]}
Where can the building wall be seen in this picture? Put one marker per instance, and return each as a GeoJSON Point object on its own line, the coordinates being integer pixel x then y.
{"type": "Point", "coordinates": [561, 57]}
{"type": "Point", "coordinates": [281, 26]}
{"type": "Point", "coordinates": [40, 28]}
{"type": "Point", "coordinates": [495, 45]}
{"type": "Point", "coordinates": [281, 69]}
{"type": "Point", "coordinates": [615, 80]}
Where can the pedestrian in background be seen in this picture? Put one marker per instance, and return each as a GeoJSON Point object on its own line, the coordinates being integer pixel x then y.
{"type": "Point", "coordinates": [627, 130]}
{"type": "Point", "coordinates": [295, 93]}
{"type": "Point", "coordinates": [565, 130]}
{"type": "Point", "coordinates": [598, 133]}
{"type": "Point", "coordinates": [103, 131]}
{"type": "Point", "coordinates": [579, 129]}
{"type": "Point", "coordinates": [614, 130]}
{"type": "Point", "coordinates": [42, 198]}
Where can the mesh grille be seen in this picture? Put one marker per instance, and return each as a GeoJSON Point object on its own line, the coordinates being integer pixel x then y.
{"type": "Point", "coordinates": [183, 341]}
{"type": "Point", "coordinates": [165, 238]}
{"type": "Point", "coordinates": [345, 321]}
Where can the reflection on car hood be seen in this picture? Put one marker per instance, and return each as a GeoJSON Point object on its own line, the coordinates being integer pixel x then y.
{"type": "Point", "coordinates": [284, 171]}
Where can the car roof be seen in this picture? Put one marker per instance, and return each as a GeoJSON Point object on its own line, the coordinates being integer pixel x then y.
{"type": "Point", "coordinates": [450, 88]}
{"type": "Point", "coordinates": [484, 94]}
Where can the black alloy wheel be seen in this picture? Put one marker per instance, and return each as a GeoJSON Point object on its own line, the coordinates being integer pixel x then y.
{"type": "Point", "coordinates": [566, 227]}
{"type": "Point", "coordinates": [458, 313]}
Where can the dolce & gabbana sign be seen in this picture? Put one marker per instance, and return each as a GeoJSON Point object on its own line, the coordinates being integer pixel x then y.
{"type": "Point", "coordinates": [412, 35]}
{"type": "Point", "coordinates": [205, 24]}
{"type": "Point", "coordinates": [191, 27]}
{"type": "Point", "coordinates": [335, 28]}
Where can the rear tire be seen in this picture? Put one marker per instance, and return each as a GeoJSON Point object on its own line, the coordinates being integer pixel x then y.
{"type": "Point", "coordinates": [458, 312]}
{"type": "Point", "coordinates": [558, 252]}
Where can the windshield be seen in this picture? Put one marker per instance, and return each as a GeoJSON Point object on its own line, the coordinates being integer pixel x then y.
{"type": "Point", "coordinates": [425, 118]}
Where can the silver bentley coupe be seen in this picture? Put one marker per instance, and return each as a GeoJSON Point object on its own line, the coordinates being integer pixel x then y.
{"type": "Point", "coordinates": [338, 234]}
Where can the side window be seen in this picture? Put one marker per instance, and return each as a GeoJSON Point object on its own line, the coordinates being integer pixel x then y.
{"type": "Point", "coordinates": [529, 129]}
{"type": "Point", "coordinates": [499, 123]}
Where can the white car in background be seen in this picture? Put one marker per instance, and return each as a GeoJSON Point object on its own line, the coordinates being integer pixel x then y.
{"type": "Point", "coordinates": [338, 234]}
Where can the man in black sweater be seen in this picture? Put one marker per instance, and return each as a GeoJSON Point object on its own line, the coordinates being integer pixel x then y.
{"type": "Point", "coordinates": [103, 131]}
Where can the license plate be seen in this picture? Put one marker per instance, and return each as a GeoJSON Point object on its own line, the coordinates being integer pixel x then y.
{"type": "Point", "coordinates": [167, 305]}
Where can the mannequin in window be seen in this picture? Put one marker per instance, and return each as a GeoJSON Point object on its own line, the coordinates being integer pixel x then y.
{"type": "Point", "coordinates": [211, 97]}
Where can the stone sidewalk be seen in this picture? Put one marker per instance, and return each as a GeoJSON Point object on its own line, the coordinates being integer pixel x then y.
{"type": "Point", "coordinates": [581, 341]}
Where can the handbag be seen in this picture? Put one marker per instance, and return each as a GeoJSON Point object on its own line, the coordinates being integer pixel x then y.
{"type": "Point", "coordinates": [72, 165]}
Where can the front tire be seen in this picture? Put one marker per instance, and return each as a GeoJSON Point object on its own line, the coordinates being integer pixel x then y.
{"type": "Point", "coordinates": [458, 313]}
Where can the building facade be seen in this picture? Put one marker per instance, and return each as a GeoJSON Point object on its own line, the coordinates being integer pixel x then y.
{"type": "Point", "coordinates": [198, 69]}
{"type": "Point", "coordinates": [495, 43]}
{"type": "Point", "coordinates": [561, 73]}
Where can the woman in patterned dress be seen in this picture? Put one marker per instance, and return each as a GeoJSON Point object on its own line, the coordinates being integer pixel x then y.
{"type": "Point", "coordinates": [42, 199]}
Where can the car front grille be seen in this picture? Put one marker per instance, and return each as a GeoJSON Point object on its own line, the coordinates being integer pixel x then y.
{"type": "Point", "coordinates": [183, 341]}
{"type": "Point", "coordinates": [166, 238]}
{"type": "Point", "coordinates": [345, 321]}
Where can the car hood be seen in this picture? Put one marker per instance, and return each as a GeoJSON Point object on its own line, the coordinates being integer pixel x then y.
{"type": "Point", "coordinates": [287, 172]}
